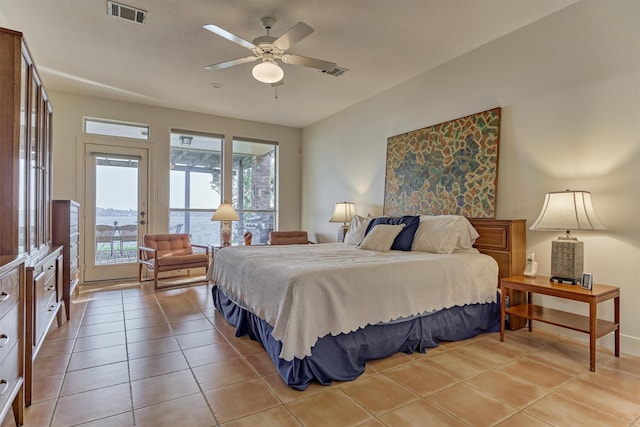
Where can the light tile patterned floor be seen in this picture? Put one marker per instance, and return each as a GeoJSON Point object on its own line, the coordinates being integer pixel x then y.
{"type": "Point", "coordinates": [130, 356]}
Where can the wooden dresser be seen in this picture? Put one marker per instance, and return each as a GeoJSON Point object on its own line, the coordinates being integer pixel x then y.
{"type": "Point", "coordinates": [44, 300]}
{"type": "Point", "coordinates": [11, 336]}
{"type": "Point", "coordinates": [506, 241]}
{"type": "Point", "coordinates": [65, 231]}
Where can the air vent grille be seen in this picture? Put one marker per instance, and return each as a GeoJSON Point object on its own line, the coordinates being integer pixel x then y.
{"type": "Point", "coordinates": [336, 72]}
{"type": "Point", "coordinates": [126, 12]}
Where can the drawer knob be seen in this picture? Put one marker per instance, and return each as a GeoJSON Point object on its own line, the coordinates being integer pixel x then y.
{"type": "Point", "coordinates": [4, 340]}
{"type": "Point", "coordinates": [4, 296]}
{"type": "Point", "coordinates": [4, 386]}
{"type": "Point", "coordinates": [50, 288]}
{"type": "Point", "coordinates": [52, 308]}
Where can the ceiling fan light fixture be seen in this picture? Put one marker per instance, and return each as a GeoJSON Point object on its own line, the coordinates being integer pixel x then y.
{"type": "Point", "coordinates": [267, 72]}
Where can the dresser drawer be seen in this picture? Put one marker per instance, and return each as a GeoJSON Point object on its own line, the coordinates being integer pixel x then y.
{"type": "Point", "coordinates": [9, 374]}
{"type": "Point", "coordinates": [45, 285]}
{"type": "Point", "coordinates": [73, 253]}
{"type": "Point", "coordinates": [47, 267]}
{"type": "Point", "coordinates": [9, 290]}
{"type": "Point", "coordinates": [74, 214]}
{"type": "Point", "coordinates": [9, 330]}
{"type": "Point", "coordinates": [46, 303]}
{"type": "Point", "coordinates": [44, 317]}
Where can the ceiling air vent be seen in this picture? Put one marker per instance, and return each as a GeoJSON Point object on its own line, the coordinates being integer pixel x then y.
{"type": "Point", "coordinates": [126, 12]}
{"type": "Point", "coordinates": [336, 72]}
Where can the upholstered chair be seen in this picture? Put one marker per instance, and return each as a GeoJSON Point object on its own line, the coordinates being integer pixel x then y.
{"type": "Point", "coordinates": [170, 252]}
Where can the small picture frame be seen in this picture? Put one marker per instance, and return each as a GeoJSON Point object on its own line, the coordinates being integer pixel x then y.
{"type": "Point", "coordinates": [587, 281]}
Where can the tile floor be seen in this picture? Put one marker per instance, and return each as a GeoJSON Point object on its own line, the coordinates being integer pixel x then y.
{"type": "Point", "coordinates": [130, 356]}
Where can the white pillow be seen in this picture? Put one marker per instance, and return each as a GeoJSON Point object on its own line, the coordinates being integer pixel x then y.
{"type": "Point", "coordinates": [357, 229]}
{"type": "Point", "coordinates": [442, 234]}
{"type": "Point", "coordinates": [381, 237]}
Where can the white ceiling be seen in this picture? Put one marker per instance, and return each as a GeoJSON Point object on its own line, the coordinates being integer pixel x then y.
{"type": "Point", "coordinates": [79, 48]}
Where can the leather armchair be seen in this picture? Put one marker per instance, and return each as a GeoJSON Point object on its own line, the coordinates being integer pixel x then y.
{"type": "Point", "coordinates": [169, 252]}
{"type": "Point", "coordinates": [296, 237]}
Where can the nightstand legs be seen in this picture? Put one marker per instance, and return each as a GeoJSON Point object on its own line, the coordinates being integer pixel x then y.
{"type": "Point", "coordinates": [616, 319]}
{"type": "Point", "coordinates": [503, 298]}
{"type": "Point", "coordinates": [593, 326]}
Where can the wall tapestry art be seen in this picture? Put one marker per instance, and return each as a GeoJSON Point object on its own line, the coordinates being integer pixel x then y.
{"type": "Point", "coordinates": [448, 168]}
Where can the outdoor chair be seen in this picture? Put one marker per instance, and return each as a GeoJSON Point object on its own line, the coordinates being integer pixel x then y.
{"type": "Point", "coordinates": [104, 234]}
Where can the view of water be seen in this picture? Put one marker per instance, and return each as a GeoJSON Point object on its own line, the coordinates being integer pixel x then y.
{"type": "Point", "coordinates": [202, 230]}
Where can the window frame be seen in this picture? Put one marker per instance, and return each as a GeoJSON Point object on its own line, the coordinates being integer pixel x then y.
{"type": "Point", "coordinates": [143, 126]}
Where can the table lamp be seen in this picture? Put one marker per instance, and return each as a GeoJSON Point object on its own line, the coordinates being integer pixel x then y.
{"type": "Point", "coordinates": [343, 212]}
{"type": "Point", "coordinates": [226, 214]}
{"type": "Point", "coordinates": [567, 210]}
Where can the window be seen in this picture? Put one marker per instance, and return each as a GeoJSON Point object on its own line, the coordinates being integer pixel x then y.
{"type": "Point", "coordinates": [254, 184]}
{"type": "Point", "coordinates": [195, 185]}
{"type": "Point", "coordinates": [115, 128]}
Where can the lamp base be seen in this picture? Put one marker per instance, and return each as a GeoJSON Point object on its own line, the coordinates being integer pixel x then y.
{"type": "Point", "coordinates": [567, 260]}
{"type": "Point", "coordinates": [225, 234]}
{"type": "Point", "coordinates": [342, 232]}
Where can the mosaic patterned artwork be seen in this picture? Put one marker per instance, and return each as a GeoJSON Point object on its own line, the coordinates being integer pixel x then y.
{"type": "Point", "coordinates": [448, 168]}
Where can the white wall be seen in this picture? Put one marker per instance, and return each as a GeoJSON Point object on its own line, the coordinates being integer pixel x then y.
{"type": "Point", "coordinates": [569, 88]}
{"type": "Point", "coordinates": [69, 110]}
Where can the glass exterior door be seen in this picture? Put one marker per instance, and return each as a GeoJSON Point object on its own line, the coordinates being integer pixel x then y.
{"type": "Point", "coordinates": [116, 214]}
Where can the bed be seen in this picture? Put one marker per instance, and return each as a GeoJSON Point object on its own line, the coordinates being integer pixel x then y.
{"type": "Point", "coordinates": [321, 311]}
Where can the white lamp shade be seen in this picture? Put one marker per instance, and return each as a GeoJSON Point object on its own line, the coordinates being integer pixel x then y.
{"type": "Point", "coordinates": [225, 212]}
{"type": "Point", "coordinates": [267, 72]}
{"type": "Point", "coordinates": [343, 212]}
{"type": "Point", "coordinates": [568, 210]}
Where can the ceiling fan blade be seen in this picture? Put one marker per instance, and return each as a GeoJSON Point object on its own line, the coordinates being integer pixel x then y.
{"type": "Point", "coordinates": [293, 36]}
{"type": "Point", "coordinates": [227, 64]}
{"type": "Point", "coordinates": [229, 36]}
{"type": "Point", "coordinates": [309, 62]}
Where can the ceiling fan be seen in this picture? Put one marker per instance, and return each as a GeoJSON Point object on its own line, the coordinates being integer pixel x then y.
{"type": "Point", "coordinates": [269, 50]}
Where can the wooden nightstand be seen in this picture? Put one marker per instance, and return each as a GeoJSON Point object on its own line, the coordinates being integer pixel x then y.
{"type": "Point", "coordinates": [591, 325]}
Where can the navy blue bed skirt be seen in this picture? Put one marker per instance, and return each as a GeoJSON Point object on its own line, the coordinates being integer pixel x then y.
{"type": "Point", "coordinates": [343, 357]}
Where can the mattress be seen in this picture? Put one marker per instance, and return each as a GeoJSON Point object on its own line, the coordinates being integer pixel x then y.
{"type": "Point", "coordinates": [304, 293]}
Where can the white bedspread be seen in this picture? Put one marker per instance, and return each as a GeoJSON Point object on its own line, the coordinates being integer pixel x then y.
{"type": "Point", "coordinates": [308, 291]}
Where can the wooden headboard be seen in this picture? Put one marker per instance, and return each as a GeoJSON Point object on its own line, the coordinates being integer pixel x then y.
{"type": "Point", "coordinates": [505, 240]}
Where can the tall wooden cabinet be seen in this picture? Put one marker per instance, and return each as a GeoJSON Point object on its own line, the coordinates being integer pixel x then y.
{"type": "Point", "coordinates": [25, 151]}
{"type": "Point", "coordinates": [65, 231]}
{"type": "Point", "coordinates": [26, 119]}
